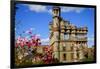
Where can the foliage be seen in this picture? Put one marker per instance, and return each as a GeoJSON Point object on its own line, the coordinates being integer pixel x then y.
{"type": "Point", "coordinates": [89, 58]}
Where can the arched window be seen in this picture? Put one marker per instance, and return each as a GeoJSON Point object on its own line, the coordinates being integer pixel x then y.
{"type": "Point", "coordinates": [64, 57]}
{"type": "Point", "coordinates": [66, 36]}
{"type": "Point", "coordinates": [64, 48]}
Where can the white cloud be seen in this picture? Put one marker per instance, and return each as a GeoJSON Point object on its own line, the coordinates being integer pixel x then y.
{"type": "Point", "coordinates": [41, 8]}
{"type": "Point", "coordinates": [90, 39]}
{"type": "Point", "coordinates": [72, 9]}
{"type": "Point", "coordinates": [38, 35]}
{"type": "Point", "coordinates": [37, 8]}
{"type": "Point", "coordinates": [32, 29]}
{"type": "Point", "coordinates": [29, 30]}
{"type": "Point", "coordinates": [45, 41]}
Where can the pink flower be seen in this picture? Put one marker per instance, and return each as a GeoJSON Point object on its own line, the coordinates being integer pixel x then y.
{"type": "Point", "coordinates": [29, 31]}
{"type": "Point", "coordinates": [33, 37]}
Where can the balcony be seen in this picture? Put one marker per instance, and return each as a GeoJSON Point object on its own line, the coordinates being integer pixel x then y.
{"type": "Point", "coordinates": [82, 39]}
{"type": "Point", "coordinates": [62, 27]}
{"type": "Point", "coordinates": [76, 39]}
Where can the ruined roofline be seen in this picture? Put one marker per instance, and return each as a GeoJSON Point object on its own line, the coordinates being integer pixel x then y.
{"type": "Point", "coordinates": [71, 25]}
{"type": "Point", "coordinates": [66, 22]}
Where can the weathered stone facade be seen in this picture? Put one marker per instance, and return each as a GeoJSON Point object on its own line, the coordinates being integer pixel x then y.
{"type": "Point", "coordinates": [66, 39]}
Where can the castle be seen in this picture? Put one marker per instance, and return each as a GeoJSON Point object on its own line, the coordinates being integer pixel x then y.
{"type": "Point", "coordinates": [67, 40]}
{"type": "Point", "coordinates": [68, 43]}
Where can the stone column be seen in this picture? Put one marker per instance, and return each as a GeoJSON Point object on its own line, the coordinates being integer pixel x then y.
{"type": "Point", "coordinates": [81, 54]}
{"type": "Point", "coordinates": [75, 53]}
{"type": "Point", "coordinates": [62, 36]}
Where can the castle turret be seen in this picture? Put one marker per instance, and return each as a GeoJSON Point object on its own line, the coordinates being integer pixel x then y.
{"type": "Point", "coordinates": [56, 11]}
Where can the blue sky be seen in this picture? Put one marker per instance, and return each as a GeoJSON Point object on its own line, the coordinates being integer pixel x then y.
{"type": "Point", "coordinates": [38, 17]}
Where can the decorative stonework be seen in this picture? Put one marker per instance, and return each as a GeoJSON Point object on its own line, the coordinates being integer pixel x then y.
{"type": "Point", "coordinates": [63, 34]}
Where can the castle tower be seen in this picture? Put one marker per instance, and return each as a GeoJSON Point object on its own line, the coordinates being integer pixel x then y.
{"type": "Point", "coordinates": [56, 11]}
{"type": "Point", "coordinates": [66, 39]}
{"type": "Point", "coordinates": [54, 32]}
{"type": "Point", "coordinates": [56, 16]}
